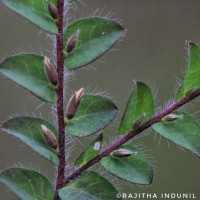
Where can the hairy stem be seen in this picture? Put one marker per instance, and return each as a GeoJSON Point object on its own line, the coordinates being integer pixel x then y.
{"type": "Point", "coordinates": [132, 134]}
{"type": "Point", "coordinates": [60, 108]}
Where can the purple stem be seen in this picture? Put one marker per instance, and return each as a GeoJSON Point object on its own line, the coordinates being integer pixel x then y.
{"type": "Point", "coordinates": [132, 134]}
{"type": "Point", "coordinates": [60, 107]}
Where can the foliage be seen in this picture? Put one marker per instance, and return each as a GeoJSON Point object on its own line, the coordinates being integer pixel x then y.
{"type": "Point", "coordinates": [139, 109]}
{"type": "Point", "coordinates": [88, 119]}
{"type": "Point", "coordinates": [89, 185]}
{"type": "Point", "coordinates": [83, 42]}
{"type": "Point", "coordinates": [135, 168]}
{"type": "Point", "coordinates": [27, 184]}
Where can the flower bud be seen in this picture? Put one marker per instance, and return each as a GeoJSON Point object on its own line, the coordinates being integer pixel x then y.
{"type": "Point", "coordinates": [50, 137]}
{"type": "Point", "coordinates": [50, 71]}
{"type": "Point", "coordinates": [172, 117]}
{"type": "Point", "coordinates": [139, 121]}
{"type": "Point", "coordinates": [122, 153]}
{"type": "Point", "coordinates": [52, 11]}
{"type": "Point", "coordinates": [73, 103]}
{"type": "Point", "coordinates": [72, 41]}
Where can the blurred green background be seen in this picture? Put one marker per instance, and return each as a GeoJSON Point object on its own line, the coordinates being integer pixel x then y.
{"type": "Point", "coordinates": [152, 51]}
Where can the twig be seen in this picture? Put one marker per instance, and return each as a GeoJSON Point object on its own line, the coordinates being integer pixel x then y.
{"type": "Point", "coordinates": [132, 134]}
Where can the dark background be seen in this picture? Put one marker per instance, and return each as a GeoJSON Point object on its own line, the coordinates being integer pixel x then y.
{"type": "Point", "coordinates": [152, 51]}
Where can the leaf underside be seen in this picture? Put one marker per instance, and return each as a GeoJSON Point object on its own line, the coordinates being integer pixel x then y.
{"type": "Point", "coordinates": [28, 71]}
{"type": "Point", "coordinates": [28, 130]}
{"type": "Point", "coordinates": [36, 11]}
{"type": "Point", "coordinates": [88, 186]}
{"type": "Point", "coordinates": [135, 168]}
{"type": "Point", "coordinates": [184, 131]}
{"type": "Point", "coordinates": [27, 184]}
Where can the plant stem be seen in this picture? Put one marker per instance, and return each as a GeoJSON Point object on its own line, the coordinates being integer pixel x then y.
{"type": "Point", "coordinates": [132, 134]}
{"type": "Point", "coordinates": [60, 108]}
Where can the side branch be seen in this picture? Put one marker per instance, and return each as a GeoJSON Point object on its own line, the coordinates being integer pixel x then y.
{"type": "Point", "coordinates": [132, 134]}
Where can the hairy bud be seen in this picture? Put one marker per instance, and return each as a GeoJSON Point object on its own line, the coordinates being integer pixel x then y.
{"type": "Point", "coordinates": [123, 153]}
{"type": "Point", "coordinates": [139, 121]}
{"type": "Point", "coordinates": [50, 137]}
{"type": "Point", "coordinates": [172, 117]}
{"type": "Point", "coordinates": [51, 71]}
{"type": "Point", "coordinates": [52, 11]}
{"type": "Point", "coordinates": [72, 41]}
{"type": "Point", "coordinates": [73, 103]}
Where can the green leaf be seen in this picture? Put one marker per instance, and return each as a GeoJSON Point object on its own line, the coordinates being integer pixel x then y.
{"type": "Point", "coordinates": [35, 11]}
{"type": "Point", "coordinates": [135, 168]}
{"type": "Point", "coordinates": [29, 130]}
{"type": "Point", "coordinates": [28, 71]}
{"type": "Point", "coordinates": [89, 185]}
{"type": "Point", "coordinates": [191, 81]}
{"type": "Point", "coordinates": [94, 113]}
{"type": "Point", "coordinates": [184, 131]}
{"type": "Point", "coordinates": [91, 152]}
{"type": "Point", "coordinates": [140, 107]}
{"type": "Point", "coordinates": [27, 184]}
{"type": "Point", "coordinates": [97, 35]}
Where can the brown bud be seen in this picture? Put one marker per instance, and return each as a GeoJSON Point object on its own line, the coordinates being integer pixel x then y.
{"type": "Point", "coordinates": [172, 117]}
{"type": "Point", "coordinates": [123, 153]}
{"type": "Point", "coordinates": [51, 71]}
{"type": "Point", "coordinates": [188, 93]}
{"type": "Point", "coordinates": [50, 137]}
{"type": "Point", "coordinates": [72, 41]}
{"type": "Point", "coordinates": [52, 10]}
{"type": "Point", "coordinates": [73, 103]}
{"type": "Point", "coordinates": [139, 121]}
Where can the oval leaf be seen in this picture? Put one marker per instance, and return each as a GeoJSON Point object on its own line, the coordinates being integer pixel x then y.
{"type": "Point", "coordinates": [139, 109]}
{"type": "Point", "coordinates": [184, 132]}
{"type": "Point", "coordinates": [35, 11]}
{"type": "Point", "coordinates": [191, 80]}
{"type": "Point", "coordinates": [94, 113]}
{"type": "Point", "coordinates": [135, 168]}
{"type": "Point", "coordinates": [91, 152]}
{"type": "Point", "coordinates": [29, 130]}
{"type": "Point", "coordinates": [28, 71]}
{"type": "Point", "coordinates": [89, 185]}
{"type": "Point", "coordinates": [27, 184]}
{"type": "Point", "coordinates": [96, 36]}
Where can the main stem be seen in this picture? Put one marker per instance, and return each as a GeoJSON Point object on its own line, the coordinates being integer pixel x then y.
{"type": "Point", "coordinates": [132, 134]}
{"type": "Point", "coordinates": [61, 181]}
{"type": "Point", "coordinates": [60, 107]}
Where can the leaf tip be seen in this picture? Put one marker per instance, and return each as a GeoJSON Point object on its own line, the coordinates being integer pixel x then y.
{"type": "Point", "coordinates": [190, 45]}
